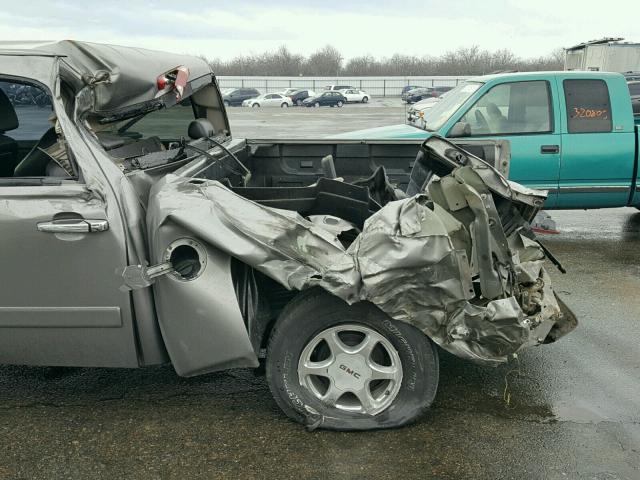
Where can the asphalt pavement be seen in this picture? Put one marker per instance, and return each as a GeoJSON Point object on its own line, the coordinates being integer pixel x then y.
{"type": "Point", "coordinates": [562, 411]}
{"type": "Point", "coordinates": [310, 122]}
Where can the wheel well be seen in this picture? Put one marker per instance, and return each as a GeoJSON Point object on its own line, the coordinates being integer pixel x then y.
{"type": "Point", "coordinates": [261, 299]}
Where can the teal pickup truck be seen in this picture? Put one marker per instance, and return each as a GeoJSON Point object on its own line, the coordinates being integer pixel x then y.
{"type": "Point", "coordinates": [571, 133]}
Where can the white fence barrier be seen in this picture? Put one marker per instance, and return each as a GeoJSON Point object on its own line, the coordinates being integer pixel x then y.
{"type": "Point", "coordinates": [375, 86]}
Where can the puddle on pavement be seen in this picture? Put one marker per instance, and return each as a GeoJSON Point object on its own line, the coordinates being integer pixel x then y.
{"type": "Point", "coordinates": [578, 414]}
{"type": "Point", "coordinates": [529, 394]}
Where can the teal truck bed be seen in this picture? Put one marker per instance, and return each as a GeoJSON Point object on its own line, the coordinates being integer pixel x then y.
{"type": "Point", "coordinates": [571, 133]}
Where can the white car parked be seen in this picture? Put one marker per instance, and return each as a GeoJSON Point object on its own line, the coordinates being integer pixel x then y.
{"type": "Point", "coordinates": [288, 91]}
{"type": "Point", "coordinates": [338, 87]}
{"type": "Point", "coordinates": [355, 95]}
{"type": "Point", "coordinates": [268, 100]}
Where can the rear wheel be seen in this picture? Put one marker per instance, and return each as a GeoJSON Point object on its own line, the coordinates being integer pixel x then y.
{"type": "Point", "coordinates": [284, 105]}
{"type": "Point", "coordinates": [299, 103]}
{"type": "Point", "coordinates": [317, 104]}
{"type": "Point", "coordinates": [340, 103]}
{"type": "Point", "coordinates": [349, 367]}
{"type": "Point", "coordinates": [256, 105]}
{"type": "Point", "coordinates": [365, 99]}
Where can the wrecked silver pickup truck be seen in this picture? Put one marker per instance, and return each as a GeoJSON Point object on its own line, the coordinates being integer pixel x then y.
{"type": "Point", "coordinates": [137, 231]}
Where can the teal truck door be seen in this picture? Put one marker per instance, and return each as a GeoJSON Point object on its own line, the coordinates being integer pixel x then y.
{"type": "Point", "coordinates": [598, 142]}
{"type": "Point", "coordinates": [523, 112]}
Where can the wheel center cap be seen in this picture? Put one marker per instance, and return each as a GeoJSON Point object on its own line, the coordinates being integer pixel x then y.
{"type": "Point", "coordinates": [349, 371]}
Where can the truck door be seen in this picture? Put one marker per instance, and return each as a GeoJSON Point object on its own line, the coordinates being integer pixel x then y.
{"type": "Point", "coordinates": [60, 302]}
{"type": "Point", "coordinates": [522, 112]}
{"type": "Point", "coordinates": [598, 143]}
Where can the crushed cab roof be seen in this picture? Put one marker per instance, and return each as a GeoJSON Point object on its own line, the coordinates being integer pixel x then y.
{"type": "Point", "coordinates": [130, 73]}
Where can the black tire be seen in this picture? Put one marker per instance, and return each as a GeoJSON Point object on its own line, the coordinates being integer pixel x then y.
{"type": "Point", "coordinates": [312, 312]}
{"type": "Point", "coordinates": [255, 105]}
{"type": "Point", "coordinates": [317, 104]}
{"type": "Point", "coordinates": [284, 105]}
{"type": "Point", "coordinates": [339, 104]}
{"type": "Point", "coordinates": [365, 99]}
{"type": "Point", "coordinates": [299, 103]}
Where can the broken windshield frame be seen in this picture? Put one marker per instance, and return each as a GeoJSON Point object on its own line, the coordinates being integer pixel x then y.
{"type": "Point", "coordinates": [167, 122]}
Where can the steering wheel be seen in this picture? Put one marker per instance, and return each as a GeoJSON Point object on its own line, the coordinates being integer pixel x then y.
{"type": "Point", "coordinates": [482, 122]}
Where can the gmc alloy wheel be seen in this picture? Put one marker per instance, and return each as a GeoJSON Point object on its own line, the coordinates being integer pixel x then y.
{"type": "Point", "coordinates": [349, 367]}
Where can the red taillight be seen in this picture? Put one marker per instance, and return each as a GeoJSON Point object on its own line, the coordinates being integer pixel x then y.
{"type": "Point", "coordinates": [162, 82]}
{"type": "Point", "coordinates": [175, 79]}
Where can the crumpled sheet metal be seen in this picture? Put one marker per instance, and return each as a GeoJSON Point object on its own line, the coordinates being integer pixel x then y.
{"type": "Point", "coordinates": [280, 243]}
{"type": "Point", "coordinates": [404, 261]}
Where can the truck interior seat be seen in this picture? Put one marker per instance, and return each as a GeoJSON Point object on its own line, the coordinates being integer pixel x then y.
{"type": "Point", "coordinates": [34, 163]}
{"type": "Point", "coordinates": [8, 146]}
{"type": "Point", "coordinates": [497, 120]}
{"type": "Point", "coordinates": [54, 170]}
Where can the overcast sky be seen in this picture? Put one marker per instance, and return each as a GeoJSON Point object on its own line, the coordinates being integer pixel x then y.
{"type": "Point", "coordinates": [226, 29]}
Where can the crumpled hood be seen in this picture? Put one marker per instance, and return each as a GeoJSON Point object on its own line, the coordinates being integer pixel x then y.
{"type": "Point", "coordinates": [456, 259]}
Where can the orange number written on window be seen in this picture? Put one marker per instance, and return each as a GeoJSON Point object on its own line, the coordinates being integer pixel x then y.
{"type": "Point", "coordinates": [580, 112]}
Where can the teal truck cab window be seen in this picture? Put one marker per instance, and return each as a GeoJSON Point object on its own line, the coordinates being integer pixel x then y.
{"type": "Point", "coordinates": [508, 108]}
{"type": "Point", "coordinates": [588, 106]}
{"type": "Point", "coordinates": [521, 112]}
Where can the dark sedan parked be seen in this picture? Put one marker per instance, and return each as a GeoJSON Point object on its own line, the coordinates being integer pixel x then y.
{"type": "Point", "coordinates": [418, 94]}
{"type": "Point", "coordinates": [326, 98]}
{"type": "Point", "coordinates": [406, 89]}
{"type": "Point", "coordinates": [237, 96]}
{"type": "Point", "coordinates": [299, 96]}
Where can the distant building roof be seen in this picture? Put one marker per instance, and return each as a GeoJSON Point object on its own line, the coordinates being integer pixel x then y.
{"type": "Point", "coordinates": [602, 41]}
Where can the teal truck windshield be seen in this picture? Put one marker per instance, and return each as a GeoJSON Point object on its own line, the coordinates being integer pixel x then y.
{"type": "Point", "coordinates": [446, 107]}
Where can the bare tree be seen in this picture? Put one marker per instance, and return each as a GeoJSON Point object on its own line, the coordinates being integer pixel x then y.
{"type": "Point", "coordinates": [326, 61]}
{"type": "Point", "coordinates": [329, 62]}
{"type": "Point", "coordinates": [361, 66]}
{"type": "Point", "coordinates": [283, 62]}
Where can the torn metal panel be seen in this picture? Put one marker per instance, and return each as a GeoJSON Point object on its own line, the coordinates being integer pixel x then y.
{"type": "Point", "coordinates": [455, 260]}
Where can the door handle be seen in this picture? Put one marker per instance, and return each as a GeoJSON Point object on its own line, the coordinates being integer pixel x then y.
{"type": "Point", "coordinates": [550, 149]}
{"type": "Point", "coordinates": [73, 225]}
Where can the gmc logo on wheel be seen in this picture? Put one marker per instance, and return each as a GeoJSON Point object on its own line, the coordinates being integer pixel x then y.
{"type": "Point", "coordinates": [349, 371]}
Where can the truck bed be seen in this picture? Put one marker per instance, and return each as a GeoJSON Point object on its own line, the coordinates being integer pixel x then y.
{"type": "Point", "coordinates": [298, 163]}
{"type": "Point", "coordinates": [300, 175]}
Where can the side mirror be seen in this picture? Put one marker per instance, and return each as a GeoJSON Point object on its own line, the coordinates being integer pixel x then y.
{"type": "Point", "coordinates": [460, 129]}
